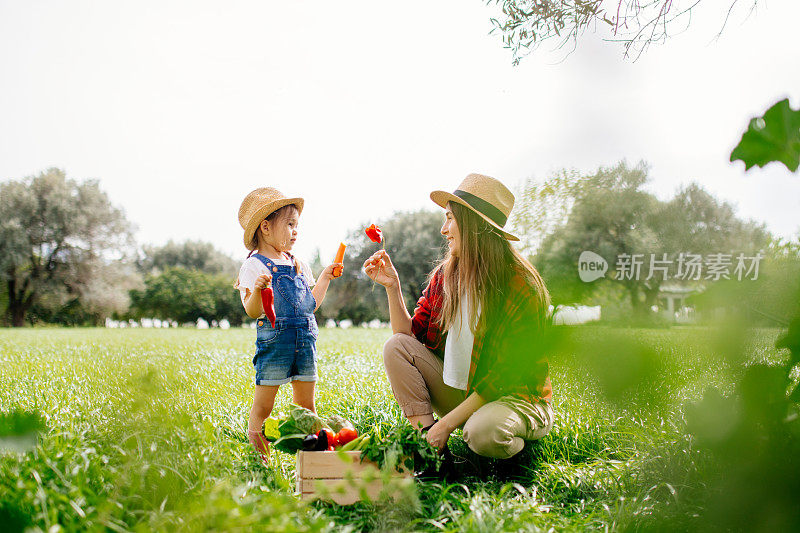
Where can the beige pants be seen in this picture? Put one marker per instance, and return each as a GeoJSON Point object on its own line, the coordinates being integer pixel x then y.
{"type": "Point", "coordinates": [498, 429]}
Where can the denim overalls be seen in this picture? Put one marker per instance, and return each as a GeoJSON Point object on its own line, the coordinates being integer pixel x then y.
{"type": "Point", "coordinates": [288, 351]}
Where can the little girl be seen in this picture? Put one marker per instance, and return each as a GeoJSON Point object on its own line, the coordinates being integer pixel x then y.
{"type": "Point", "coordinates": [287, 352]}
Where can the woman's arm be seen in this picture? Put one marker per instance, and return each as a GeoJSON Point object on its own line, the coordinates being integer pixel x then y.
{"type": "Point", "coordinates": [441, 430]}
{"type": "Point", "coordinates": [380, 269]}
{"type": "Point", "coordinates": [398, 315]}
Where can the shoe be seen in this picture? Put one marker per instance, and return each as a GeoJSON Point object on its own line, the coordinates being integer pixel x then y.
{"type": "Point", "coordinates": [445, 471]}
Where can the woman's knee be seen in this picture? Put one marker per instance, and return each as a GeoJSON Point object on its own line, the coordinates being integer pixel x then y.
{"type": "Point", "coordinates": [490, 437]}
{"type": "Point", "coordinates": [393, 350]}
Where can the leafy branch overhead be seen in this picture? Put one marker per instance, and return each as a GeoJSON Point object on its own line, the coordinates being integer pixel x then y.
{"type": "Point", "coordinates": [636, 24]}
{"type": "Point", "coordinates": [773, 137]}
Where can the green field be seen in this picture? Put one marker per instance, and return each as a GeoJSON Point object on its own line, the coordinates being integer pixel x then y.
{"type": "Point", "coordinates": [145, 431]}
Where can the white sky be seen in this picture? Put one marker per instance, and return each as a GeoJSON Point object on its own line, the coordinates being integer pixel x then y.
{"type": "Point", "coordinates": [179, 109]}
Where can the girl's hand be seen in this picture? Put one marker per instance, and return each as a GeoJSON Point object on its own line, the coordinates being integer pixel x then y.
{"type": "Point", "coordinates": [328, 272]}
{"type": "Point", "coordinates": [438, 434]}
{"type": "Point", "coordinates": [263, 281]}
{"type": "Point", "coordinates": [380, 269]}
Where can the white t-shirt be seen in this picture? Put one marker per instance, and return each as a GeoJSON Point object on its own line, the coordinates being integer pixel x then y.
{"type": "Point", "coordinates": [458, 348]}
{"type": "Point", "coordinates": [253, 267]}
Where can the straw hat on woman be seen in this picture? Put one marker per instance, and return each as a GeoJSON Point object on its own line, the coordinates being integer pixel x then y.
{"type": "Point", "coordinates": [469, 353]}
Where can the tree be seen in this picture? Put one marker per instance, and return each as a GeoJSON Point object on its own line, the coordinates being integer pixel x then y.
{"type": "Point", "coordinates": [414, 243]}
{"type": "Point", "coordinates": [105, 294]}
{"type": "Point", "coordinates": [197, 255]}
{"type": "Point", "coordinates": [612, 216]}
{"type": "Point", "coordinates": [184, 295]}
{"type": "Point", "coordinates": [635, 23]}
{"type": "Point", "coordinates": [54, 235]}
{"type": "Point", "coordinates": [540, 208]}
{"type": "Point", "coordinates": [605, 218]}
{"type": "Point", "coordinates": [186, 281]}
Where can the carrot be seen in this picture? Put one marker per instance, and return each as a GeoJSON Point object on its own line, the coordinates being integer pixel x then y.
{"type": "Point", "coordinates": [340, 253]}
{"type": "Point", "coordinates": [339, 259]}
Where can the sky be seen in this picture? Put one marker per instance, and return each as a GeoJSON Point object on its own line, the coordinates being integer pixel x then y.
{"type": "Point", "coordinates": [180, 108]}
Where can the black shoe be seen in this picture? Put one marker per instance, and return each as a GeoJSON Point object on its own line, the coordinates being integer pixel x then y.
{"type": "Point", "coordinates": [445, 471]}
{"type": "Point", "coordinates": [518, 467]}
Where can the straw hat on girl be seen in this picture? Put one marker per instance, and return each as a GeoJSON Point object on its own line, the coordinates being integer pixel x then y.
{"type": "Point", "coordinates": [484, 195]}
{"type": "Point", "coordinates": [257, 206]}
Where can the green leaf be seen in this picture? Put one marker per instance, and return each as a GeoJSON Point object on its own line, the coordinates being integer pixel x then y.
{"type": "Point", "coordinates": [290, 443]}
{"type": "Point", "coordinates": [18, 423]}
{"type": "Point", "coordinates": [270, 429]}
{"type": "Point", "coordinates": [791, 340]}
{"type": "Point", "coordinates": [19, 430]}
{"type": "Point", "coordinates": [773, 137]}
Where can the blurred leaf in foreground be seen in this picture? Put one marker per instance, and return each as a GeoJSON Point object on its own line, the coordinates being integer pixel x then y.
{"type": "Point", "coordinates": [19, 430]}
{"type": "Point", "coordinates": [773, 137]}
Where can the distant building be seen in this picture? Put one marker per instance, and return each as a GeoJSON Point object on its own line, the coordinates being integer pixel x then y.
{"type": "Point", "coordinates": [671, 301]}
{"type": "Point", "coordinates": [572, 315]}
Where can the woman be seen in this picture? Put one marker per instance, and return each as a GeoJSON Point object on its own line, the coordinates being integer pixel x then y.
{"type": "Point", "coordinates": [472, 352]}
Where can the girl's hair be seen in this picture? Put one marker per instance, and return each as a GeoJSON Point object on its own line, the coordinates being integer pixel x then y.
{"type": "Point", "coordinates": [279, 214]}
{"type": "Point", "coordinates": [482, 270]}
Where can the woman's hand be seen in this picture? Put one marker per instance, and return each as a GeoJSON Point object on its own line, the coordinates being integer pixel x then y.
{"type": "Point", "coordinates": [380, 269]}
{"type": "Point", "coordinates": [438, 434]}
{"type": "Point", "coordinates": [262, 282]}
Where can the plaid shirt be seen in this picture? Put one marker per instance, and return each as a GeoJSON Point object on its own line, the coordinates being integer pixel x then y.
{"type": "Point", "coordinates": [505, 358]}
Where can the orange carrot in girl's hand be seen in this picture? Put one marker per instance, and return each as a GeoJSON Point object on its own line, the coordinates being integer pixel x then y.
{"type": "Point", "coordinates": [337, 271]}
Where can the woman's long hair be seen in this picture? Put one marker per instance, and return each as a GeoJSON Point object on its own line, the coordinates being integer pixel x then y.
{"type": "Point", "coordinates": [482, 270]}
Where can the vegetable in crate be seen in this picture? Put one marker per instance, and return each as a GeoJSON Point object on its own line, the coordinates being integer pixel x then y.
{"type": "Point", "coordinates": [293, 429]}
{"type": "Point", "coordinates": [310, 442]}
{"type": "Point", "coordinates": [336, 423]}
{"type": "Point", "coordinates": [346, 435]}
{"type": "Point", "coordinates": [323, 441]}
{"type": "Point", "coordinates": [402, 448]}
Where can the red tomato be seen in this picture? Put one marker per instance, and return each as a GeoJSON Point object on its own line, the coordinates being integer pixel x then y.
{"type": "Point", "coordinates": [345, 435]}
{"type": "Point", "coordinates": [330, 448]}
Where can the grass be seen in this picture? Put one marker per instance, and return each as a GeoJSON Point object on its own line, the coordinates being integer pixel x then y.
{"type": "Point", "coordinates": [145, 431]}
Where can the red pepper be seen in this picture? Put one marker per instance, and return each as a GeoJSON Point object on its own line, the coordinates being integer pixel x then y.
{"type": "Point", "coordinates": [374, 233]}
{"type": "Point", "coordinates": [268, 303]}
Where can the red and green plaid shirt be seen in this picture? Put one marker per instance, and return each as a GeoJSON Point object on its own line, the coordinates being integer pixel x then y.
{"type": "Point", "coordinates": [505, 359]}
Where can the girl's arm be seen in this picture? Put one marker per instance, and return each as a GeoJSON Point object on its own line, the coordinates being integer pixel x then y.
{"type": "Point", "coordinates": [441, 430]}
{"type": "Point", "coordinates": [252, 299]}
{"type": "Point", "coordinates": [380, 269]}
{"type": "Point", "coordinates": [321, 287]}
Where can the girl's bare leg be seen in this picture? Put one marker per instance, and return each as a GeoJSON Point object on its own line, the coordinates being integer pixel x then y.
{"type": "Point", "coordinates": [303, 394]}
{"type": "Point", "coordinates": [263, 402]}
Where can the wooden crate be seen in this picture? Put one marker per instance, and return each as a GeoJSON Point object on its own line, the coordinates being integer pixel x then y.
{"type": "Point", "coordinates": [342, 477]}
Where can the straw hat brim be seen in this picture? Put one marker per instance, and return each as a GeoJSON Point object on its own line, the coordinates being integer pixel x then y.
{"type": "Point", "coordinates": [262, 213]}
{"type": "Point", "coordinates": [441, 198]}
